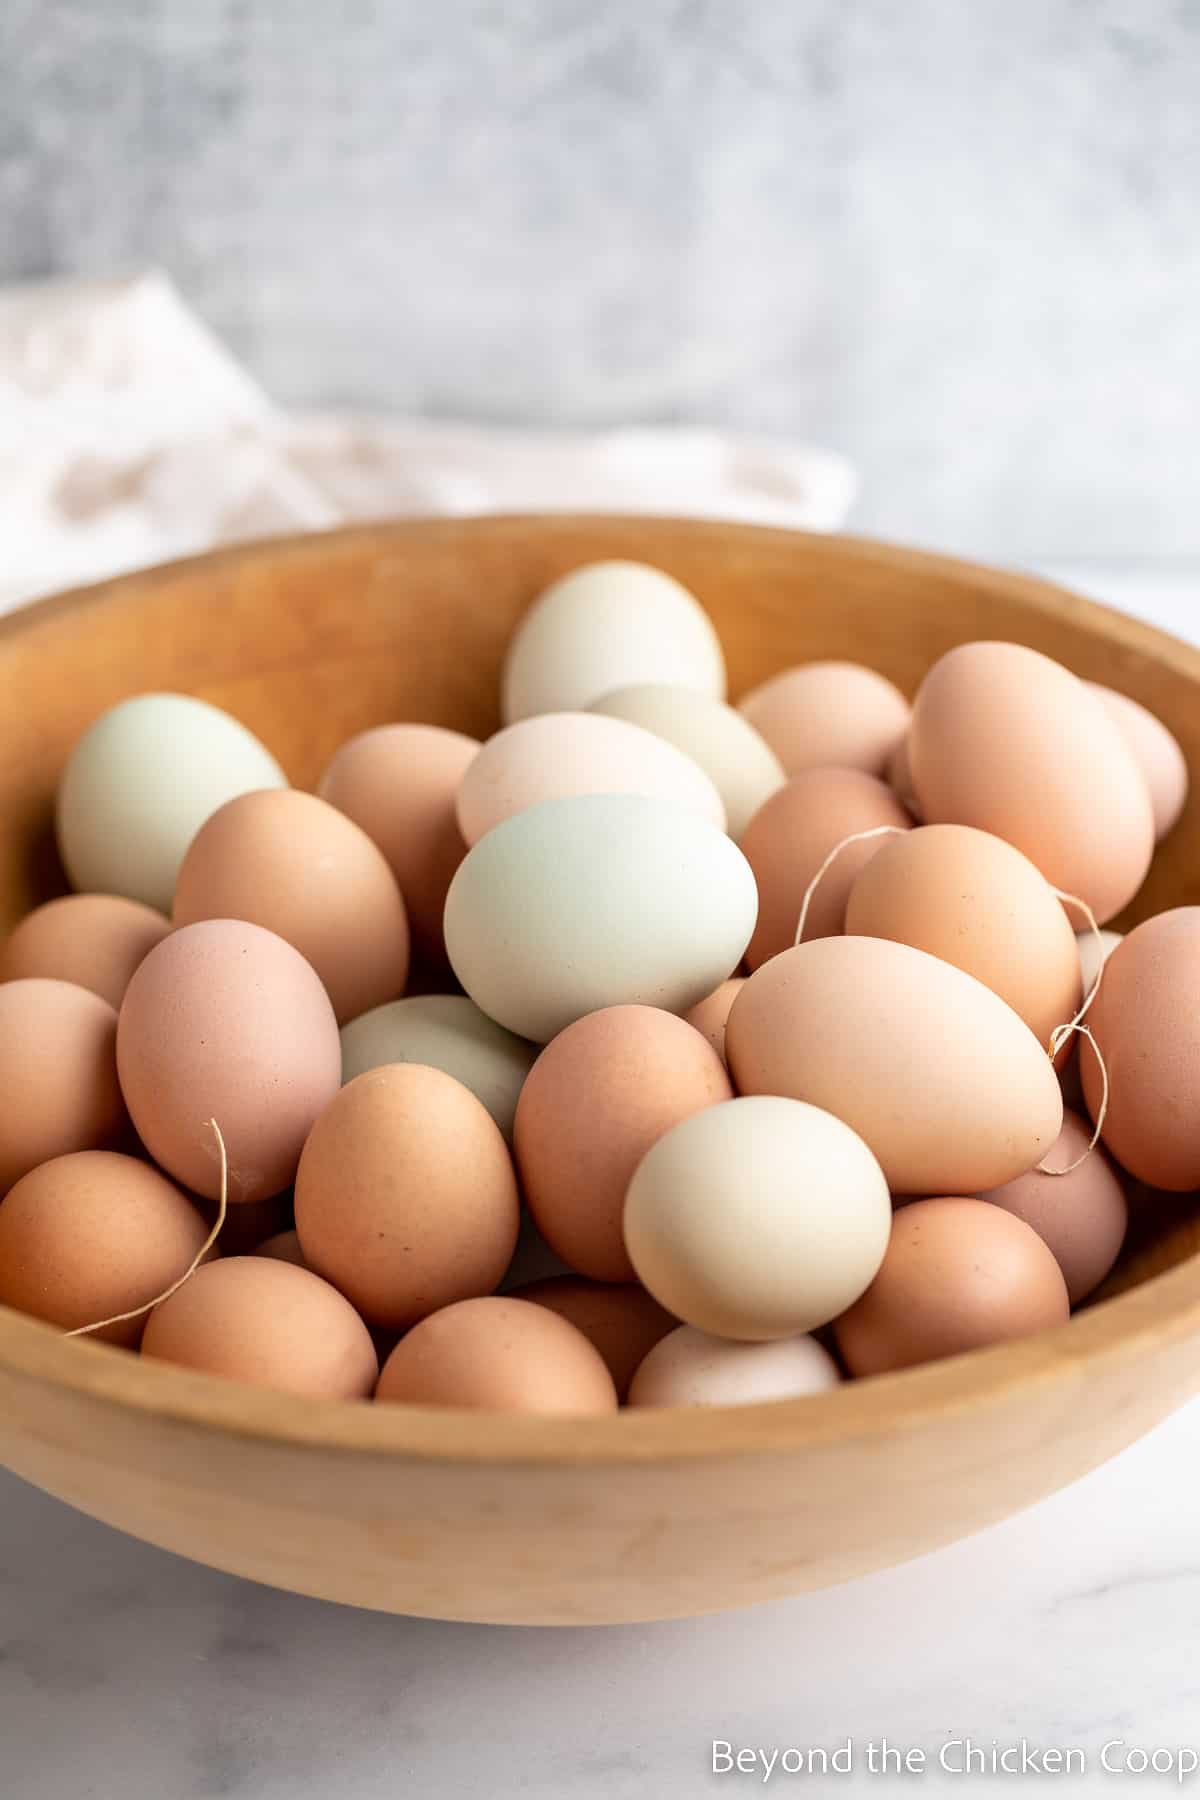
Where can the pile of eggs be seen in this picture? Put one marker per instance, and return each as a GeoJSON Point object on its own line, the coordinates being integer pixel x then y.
{"type": "Point", "coordinates": [528, 1097]}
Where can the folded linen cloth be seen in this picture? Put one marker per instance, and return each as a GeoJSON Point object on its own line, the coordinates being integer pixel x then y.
{"type": "Point", "coordinates": [129, 434]}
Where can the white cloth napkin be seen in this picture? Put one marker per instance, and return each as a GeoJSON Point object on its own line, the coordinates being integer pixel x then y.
{"type": "Point", "coordinates": [128, 434]}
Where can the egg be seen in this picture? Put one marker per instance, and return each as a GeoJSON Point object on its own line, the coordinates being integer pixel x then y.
{"type": "Point", "coordinates": [898, 776]}
{"type": "Point", "coordinates": [709, 1015]}
{"type": "Point", "coordinates": [958, 1275]}
{"type": "Point", "coordinates": [93, 940]}
{"type": "Point", "coordinates": [140, 783]}
{"type": "Point", "coordinates": [405, 1195]}
{"type": "Point", "coordinates": [260, 1320]}
{"type": "Point", "coordinates": [89, 1236]}
{"type": "Point", "coordinates": [295, 865]}
{"type": "Point", "coordinates": [283, 1247]}
{"type": "Point", "coordinates": [972, 900]}
{"type": "Point", "coordinates": [252, 1222]}
{"type": "Point", "coordinates": [741, 764]}
{"type": "Point", "coordinates": [226, 1021]}
{"type": "Point", "coordinates": [58, 1074]}
{"type": "Point", "coordinates": [400, 783]}
{"type": "Point", "coordinates": [444, 1031]}
{"type": "Point", "coordinates": [1155, 751]}
{"type": "Point", "coordinates": [500, 1354]}
{"type": "Point", "coordinates": [599, 1095]}
{"type": "Point", "coordinates": [1082, 1216]}
{"type": "Point", "coordinates": [789, 838]}
{"type": "Point", "coordinates": [604, 626]}
{"type": "Point", "coordinates": [620, 1319]}
{"type": "Point", "coordinates": [1095, 948]}
{"type": "Point", "coordinates": [758, 1218]}
{"type": "Point", "coordinates": [1005, 739]}
{"type": "Point", "coordinates": [532, 1259]}
{"type": "Point", "coordinates": [1146, 1020]}
{"type": "Point", "coordinates": [692, 1368]}
{"type": "Point", "coordinates": [937, 1074]}
{"type": "Point", "coordinates": [828, 713]}
{"type": "Point", "coordinates": [597, 900]}
{"type": "Point", "coordinates": [577, 753]}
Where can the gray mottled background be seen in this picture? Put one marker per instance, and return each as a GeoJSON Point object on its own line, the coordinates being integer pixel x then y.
{"type": "Point", "coordinates": [960, 242]}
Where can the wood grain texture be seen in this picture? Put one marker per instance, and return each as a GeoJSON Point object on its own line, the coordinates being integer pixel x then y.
{"type": "Point", "coordinates": [560, 1521]}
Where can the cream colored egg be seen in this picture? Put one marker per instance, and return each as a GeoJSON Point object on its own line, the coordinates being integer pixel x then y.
{"type": "Point", "coordinates": [447, 1032]}
{"type": "Point", "coordinates": [577, 753]}
{"type": "Point", "coordinates": [597, 900]}
{"type": "Point", "coordinates": [741, 764]}
{"type": "Point", "coordinates": [757, 1218]}
{"type": "Point", "coordinates": [934, 1071]}
{"type": "Point", "coordinates": [693, 1368]}
{"type": "Point", "coordinates": [140, 783]}
{"type": "Point", "coordinates": [604, 626]}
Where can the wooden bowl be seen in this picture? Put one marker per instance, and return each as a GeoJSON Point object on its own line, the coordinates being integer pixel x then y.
{"type": "Point", "coordinates": [462, 1515]}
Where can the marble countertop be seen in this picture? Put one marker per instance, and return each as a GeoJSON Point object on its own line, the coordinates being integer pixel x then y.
{"type": "Point", "coordinates": [127, 1672]}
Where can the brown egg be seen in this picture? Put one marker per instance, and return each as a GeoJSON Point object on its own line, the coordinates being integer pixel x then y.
{"type": "Point", "coordinates": [709, 1015]}
{"type": "Point", "coordinates": [789, 838]}
{"type": "Point", "coordinates": [974, 901]}
{"type": "Point", "coordinates": [93, 940]}
{"type": "Point", "coordinates": [828, 713]}
{"type": "Point", "coordinates": [500, 1354]}
{"type": "Point", "coordinates": [958, 1275]}
{"type": "Point", "coordinates": [1082, 1216]}
{"type": "Point", "coordinates": [1156, 752]}
{"type": "Point", "coordinates": [283, 1247]}
{"type": "Point", "coordinates": [88, 1236]}
{"type": "Point", "coordinates": [1146, 1020]}
{"type": "Point", "coordinates": [599, 1095]}
{"type": "Point", "coordinates": [225, 1021]}
{"type": "Point", "coordinates": [267, 1322]}
{"type": "Point", "coordinates": [297, 866]}
{"type": "Point", "coordinates": [58, 1074]}
{"type": "Point", "coordinates": [405, 1195]}
{"type": "Point", "coordinates": [621, 1319]}
{"type": "Point", "coordinates": [400, 783]}
{"type": "Point", "coordinates": [1008, 740]}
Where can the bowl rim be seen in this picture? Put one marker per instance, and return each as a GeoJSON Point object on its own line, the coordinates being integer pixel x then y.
{"type": "Point", "coordinates": [1159, 1311]}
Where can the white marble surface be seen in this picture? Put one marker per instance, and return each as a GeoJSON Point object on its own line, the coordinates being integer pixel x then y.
{"type": "Point", "coordinates": [126, 1672]}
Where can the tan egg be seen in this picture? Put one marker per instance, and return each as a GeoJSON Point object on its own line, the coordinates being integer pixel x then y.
{"type": "Point", "coordinates": [1082, 1215]}
{"type": "Point", "coordinates": [93, 940]}
{"type": "Point", "coordinates": [828, 713]}
{"type": "Point", "coordinates": [620, 1319]}
{"type": "Point", "coordinates": [974, 901]}
{"type": "Point", "coordinates": [789, 838]}
{"type": "Point", "coordinates": [950, 1089]}
{"type": "Point", "coordinates": [267, 1322]}
{"type": "Point", "coordinates": [691, 1368]}
{"type": "Point", "coordinates": [600, 1094]}
{"type": "Point", "coordinates": [405, 1195]}
{"type": "Point", "coordinates": [1008, 740]}
{"type": "Point", "coordinates": [58, 1074]}
{"type": "Point", "coordinates": [561, 753]}
{"type": "Point", "coordinates": [710, 1015]}
{"type": "Point", "coordinates": [958, 1275]}
{"type": "Point", "coordinates": [1156, 752]}
{"type": "Point", "coordinates": [756, 1219]}
{"type": "Point", "coordinates": [296, 866]}
{"type": "Point", "coordinates": [899, 778]}
{"type": "Point", "coordinates": [283, 1247]}
{"type": "Point", "coordinates": [226, 1021]}
{"type": "Point", "coordinates": [1146, 1020]}
{"type": "Point", "coordinates": [743, 767]}
{"type": "Point", "coordinates": [92, 1235]}
{"type": "Point", "coordinates": [1095, 948]}
{"type": "Point", "coordinates": [400, 782]}
{"type": "Point", "coordinates": [501, 1355]}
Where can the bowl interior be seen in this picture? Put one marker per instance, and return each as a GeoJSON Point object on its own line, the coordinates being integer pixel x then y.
{"type": "Point", "coordinates": [309, 640]}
